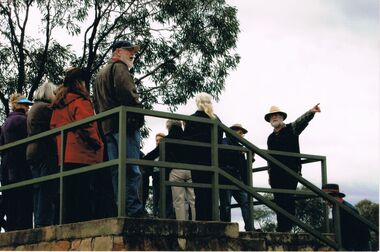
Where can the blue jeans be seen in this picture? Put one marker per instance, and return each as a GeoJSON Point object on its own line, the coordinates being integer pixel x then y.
{"type": "Point", "coordinates": [133, 174]}
{"type": "Point", "coordinates": [45, 194]}
{"type": "Point", "coordinates": [241, 198]}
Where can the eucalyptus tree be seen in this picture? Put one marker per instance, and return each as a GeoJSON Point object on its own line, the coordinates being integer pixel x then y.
{"type": "Point", "coordinates": [187, 46]}
{"type": "Point", "coordinates": [25, 58]}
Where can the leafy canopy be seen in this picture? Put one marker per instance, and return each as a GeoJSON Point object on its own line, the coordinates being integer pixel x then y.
{"type": "Point", "coordinates": [187, 45]}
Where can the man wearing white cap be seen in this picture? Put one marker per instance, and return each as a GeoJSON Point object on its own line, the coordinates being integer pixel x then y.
{"type": "Point", "coordinates": [285, 137]}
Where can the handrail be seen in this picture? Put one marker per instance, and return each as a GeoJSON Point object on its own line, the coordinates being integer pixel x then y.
{"type": "Point", "coordinates": [253, 191]}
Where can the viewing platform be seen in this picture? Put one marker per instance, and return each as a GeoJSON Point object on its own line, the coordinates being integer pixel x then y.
{"type": "Point", "coordinates": [155, 234]}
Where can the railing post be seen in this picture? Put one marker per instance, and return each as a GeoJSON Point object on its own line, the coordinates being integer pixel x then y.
{"type": "Point", "coordinates": [326, 224]}
{"type": "Point", "coordinates": [162, 201]}
{"type": "Point", "coordinates": [61, 186]}
{"type": "Point", "coordinates": [337, 230]}
{"type": "Point", "coordinates": [122, 159]}
{"type": "Point", "coordinates": [250, 184]}
{"type": "Point", "coordinates": [215, 173]}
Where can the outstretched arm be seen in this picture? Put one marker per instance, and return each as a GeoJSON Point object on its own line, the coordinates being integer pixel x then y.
{"type": "Point", "coordinates": [301, 123]}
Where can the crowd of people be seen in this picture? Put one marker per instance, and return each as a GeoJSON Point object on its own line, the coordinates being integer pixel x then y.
{"type": "Point", "coordinates": [95, 194]}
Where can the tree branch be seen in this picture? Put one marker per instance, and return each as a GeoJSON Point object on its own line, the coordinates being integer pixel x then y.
{"type": "Point", "coordinates": [5, 103]}
{"type": "Point", "coordinates": [41, 67]}
{"type": "Point", "coordinates": [159, 66]}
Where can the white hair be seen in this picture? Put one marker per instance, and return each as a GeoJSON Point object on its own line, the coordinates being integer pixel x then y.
{"type": "Point", "coordinates": [204, 103]}
{"type": "Point", "coordinates": [45, 92]}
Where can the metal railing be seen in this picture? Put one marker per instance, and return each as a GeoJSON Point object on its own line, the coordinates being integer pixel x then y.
{"type": "Point", "coordinates": [123, 112]}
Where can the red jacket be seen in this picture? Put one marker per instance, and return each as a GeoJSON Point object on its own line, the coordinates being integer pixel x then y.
{"type": "Point", "coordinates": [83, 145]}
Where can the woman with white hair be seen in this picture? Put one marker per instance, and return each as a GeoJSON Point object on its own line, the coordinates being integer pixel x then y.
{"type": "Point", "coordinates": [201, 132]}
{"type": "Point", "coordinates": [42, 155]}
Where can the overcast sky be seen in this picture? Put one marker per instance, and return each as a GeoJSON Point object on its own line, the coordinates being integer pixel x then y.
{"type": "Point", "coordinates": [295, 54]}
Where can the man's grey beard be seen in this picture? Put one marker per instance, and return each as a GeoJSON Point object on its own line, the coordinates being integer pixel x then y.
{"type": "Point", "coordinates": [129, 63]}
{"type": "Point", "coordinates": [276, 124]}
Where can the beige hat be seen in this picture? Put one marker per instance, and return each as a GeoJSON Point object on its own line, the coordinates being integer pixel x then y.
{"type": "Point", "coordinates": [274, 110]}
{"type": "Point", "coordinates": [238, 126]}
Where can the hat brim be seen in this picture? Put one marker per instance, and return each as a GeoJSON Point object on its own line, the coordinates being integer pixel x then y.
{"type": "Point", "coordinates": [24, 101]}
{"type": "Point", "coordinates": [335, 194]}
{"type": "Point", "coordinates": [239, 128]}
{"type": "Point", "coordinates": [135, 48]}
{"type": "Point", "coordinates": [267, 116]}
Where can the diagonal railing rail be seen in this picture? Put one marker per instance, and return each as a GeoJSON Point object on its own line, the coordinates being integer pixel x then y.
{"type": "Point", "coordinates": [123, 112]}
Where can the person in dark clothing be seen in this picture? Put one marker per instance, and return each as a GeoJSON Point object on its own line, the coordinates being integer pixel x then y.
{"type": "Point", "coordinates": [14, 167]}
{"type": "Point", "coordinates": [149, 171]}
{"type": "Point", "coordinates": [355, 235]}
{"type": "Point", "coordinates": [285, 137]}
{"type": "Point", "coordinates": [201, 132]}
{"type": "Point", "coordinates": [155, 173]}
{"type": "Point", "coordinates": [234, 162]}
{"type": "Point", "coordinates": [42, 156]}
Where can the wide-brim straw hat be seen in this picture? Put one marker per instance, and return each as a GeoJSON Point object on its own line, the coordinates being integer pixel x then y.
{"type": "Point", "coordinates": [238, 126]}
{"type": "Point", "coordinates": [275, 110]}
{"type": "Point", "coordinates": [333, 190]}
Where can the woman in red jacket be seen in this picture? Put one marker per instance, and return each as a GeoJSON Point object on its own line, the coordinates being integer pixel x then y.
{"type": "Point", "coordinates": [83, 145]}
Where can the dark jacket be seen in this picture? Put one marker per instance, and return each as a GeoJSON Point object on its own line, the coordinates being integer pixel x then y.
{"type": "Point", "coordinates": [199, 132]}
{"type": "Point", "coordinates": [355, 235]}
{"type": "Point", "coordinates": [113, 87]}
{"type": "Point", "coordinates": [14, 167]}
{"type": "Point", "coordinates": [287, 139]}
{"type": "Point", "coordinates": [38, 121]}
{"type": "Point", "coordinates": [232, 161]}
{"type": "Point", "coordinates": [174, 152]}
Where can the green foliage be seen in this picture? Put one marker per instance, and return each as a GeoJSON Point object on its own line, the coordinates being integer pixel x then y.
{"type": "Point", "coordinates": [264, 217]}
{"type": "Point", "coordinates": [187, 45]}
{"type": "Point", "coordinates": [370, 211]}
{"type": "Point", "coordinates": [310, 211]}
{"type": "Point", "coordinates": [29, 54]}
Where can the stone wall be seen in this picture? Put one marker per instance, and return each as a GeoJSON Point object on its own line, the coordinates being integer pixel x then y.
{"type": "Point", "coordinates": [151, 234]}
